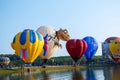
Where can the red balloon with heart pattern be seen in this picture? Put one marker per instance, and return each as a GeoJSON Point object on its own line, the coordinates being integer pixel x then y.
{"type": "Point", "coordinates": [76, 48]}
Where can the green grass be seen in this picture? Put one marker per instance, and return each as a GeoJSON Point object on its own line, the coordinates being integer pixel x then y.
{"type": "Point", "coordinates": [8, 71]}
{"type": "Point", "coordinates": [38, 69]}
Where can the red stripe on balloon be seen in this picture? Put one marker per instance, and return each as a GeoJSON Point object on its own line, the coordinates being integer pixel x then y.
{"type": "Point", "coordinates": [23, 53]}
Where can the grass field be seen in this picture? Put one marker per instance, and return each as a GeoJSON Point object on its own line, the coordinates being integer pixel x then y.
{"type": "Point", "coordinates": [38, 69]}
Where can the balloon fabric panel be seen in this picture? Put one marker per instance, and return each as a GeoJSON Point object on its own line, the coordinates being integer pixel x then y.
{"type": "Point", "coordinates": [45, 44]}
{"type": "Point", "coordinates": [32, 37]}
{"type": "Point", "coordinates": [23, 37]}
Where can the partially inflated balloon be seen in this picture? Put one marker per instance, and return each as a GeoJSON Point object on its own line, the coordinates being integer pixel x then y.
{"type": "Point", "coordinates": [52, 41]}
{"type": "Point", "coordinates": [4, 60]}
{"type": "Point", "coordinates": [115, 49]}
{"type": "Point", "coordinates": [105, 47]}
{"type": "Point", "coordinates": [28, 45]}
{"type": "Point", "coordinates": [76, 48]}
{"type": "Point", "coordinates": [106, 44]}
{"type": "Point", "coordinates": [44, 30]}
{"type": "Point", "coordinates": [92, 47]}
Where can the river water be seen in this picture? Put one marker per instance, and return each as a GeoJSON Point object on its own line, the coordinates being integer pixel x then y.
{"type": "Point", "coordinates": [93, 73]}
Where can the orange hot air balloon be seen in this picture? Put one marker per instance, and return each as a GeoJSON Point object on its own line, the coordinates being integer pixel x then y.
{"type": "Point", "coordinates": [28, 45]}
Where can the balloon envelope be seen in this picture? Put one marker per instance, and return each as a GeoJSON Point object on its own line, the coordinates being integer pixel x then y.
{"type": "Point", "coordinates": [28, 45]}
{"type": "Point", "coordinates": [51, 32]}
{"type": "Point", "coordinates": [105, 47]}
{"type": "Point", "coordinates": [115, 49]}
{"type": "Point", "coordinates": [76, 48]}
{"type": "Point", "coordinates": [4, 60]}
{"type": "Point", "coordinates": [92, 47]}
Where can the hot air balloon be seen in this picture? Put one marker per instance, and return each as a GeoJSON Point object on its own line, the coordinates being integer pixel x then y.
{"type": "Point", "coordinates": [115, 50]}
{"type": "Point", "coordinates": [4, 60]}
{"type": "Point", "coordinates": [76, 48]}
{"type": "Point", "coordinates": [53, 40]}
{"type": "Point", "coordinates": [92, 47]}
{"type": "Point", "coordinates": [28, 45]}
{"type": "Point", "coordinates": [105, 48]}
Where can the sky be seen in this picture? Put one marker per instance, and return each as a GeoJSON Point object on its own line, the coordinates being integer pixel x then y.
{"type": "Point", "coordinates": [97, 18]}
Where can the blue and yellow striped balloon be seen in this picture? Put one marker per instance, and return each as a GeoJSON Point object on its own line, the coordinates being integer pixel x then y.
{"type": "Point", "coordinates": [28, 45]}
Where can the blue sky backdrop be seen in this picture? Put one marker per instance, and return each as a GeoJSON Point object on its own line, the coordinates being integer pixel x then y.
{"type": "Point", "coordinates": [97, 18]}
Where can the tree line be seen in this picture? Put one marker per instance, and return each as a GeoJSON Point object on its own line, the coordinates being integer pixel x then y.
{"type": "Point", "coordinates": [62, 60]}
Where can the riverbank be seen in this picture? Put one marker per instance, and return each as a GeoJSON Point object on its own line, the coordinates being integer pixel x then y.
{"type": "Point", "coordinates": [38, 69]}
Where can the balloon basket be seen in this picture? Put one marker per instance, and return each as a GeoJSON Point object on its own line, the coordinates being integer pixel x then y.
{"type": "Point", "coordinates": [75, 64]}
{"type": "Point", "coordinates": [44, 63]}
{"type": "Point", "coordinates": [28, 70]}
{"type": "Point", "coordinates": [44, 66]}
{"type": "Point", "coordinates": [89, 61]}
{"type": "Point", "coordinates": [28, 65]}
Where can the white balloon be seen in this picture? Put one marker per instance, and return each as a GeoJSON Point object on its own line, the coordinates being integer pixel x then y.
{"type": "Point", "coordinates": [51, 40]}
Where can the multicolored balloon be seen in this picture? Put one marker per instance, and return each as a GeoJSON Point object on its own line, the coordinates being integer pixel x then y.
{"type": "Point", "coordinates": [4, 60]}
{"type": "Point", "coordinates": [115, 49]}
{"type": "Point", "coordinates": [105, 47]}
{"type": "Point", "coordinates": [28, 45]}
{"type": "Point", "coordinates": [76, 48]}
{"type": "Point", "coordinates": [92, 47]}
